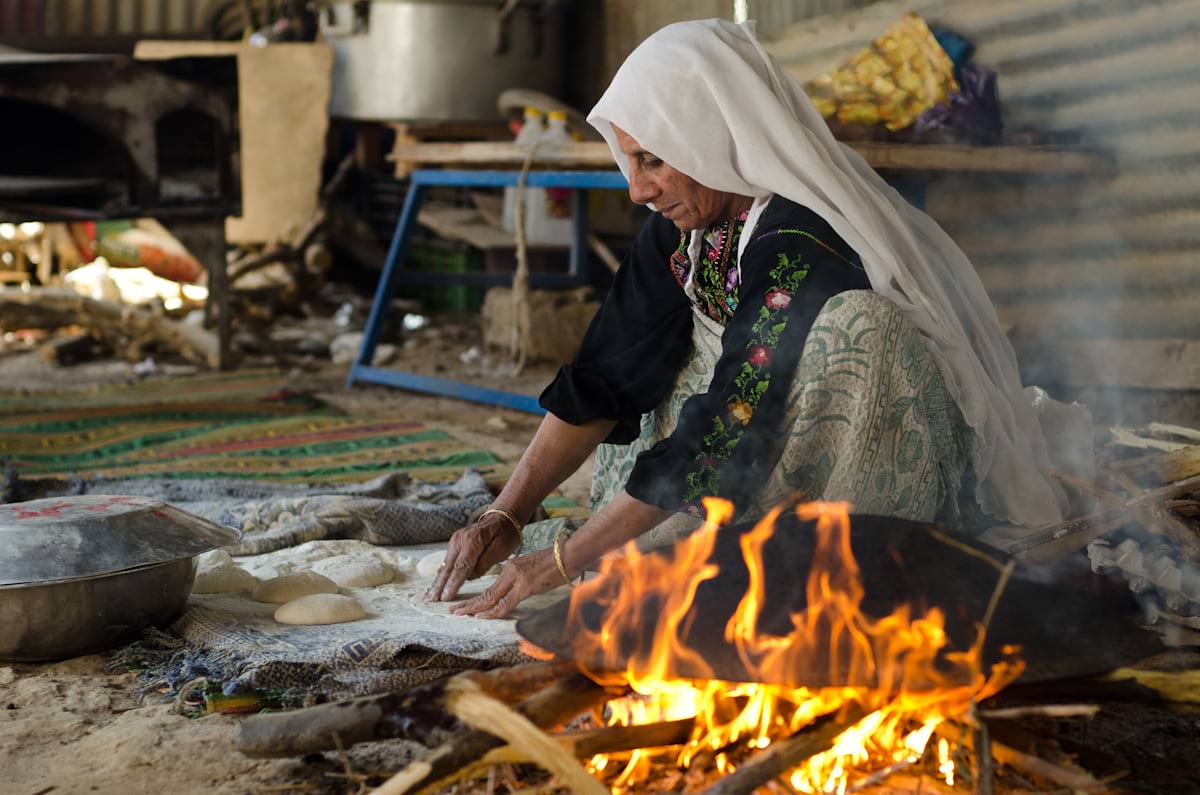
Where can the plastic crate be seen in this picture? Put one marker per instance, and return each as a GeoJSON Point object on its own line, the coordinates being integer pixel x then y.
{"type": "Point", "coordinates": [444, 256]}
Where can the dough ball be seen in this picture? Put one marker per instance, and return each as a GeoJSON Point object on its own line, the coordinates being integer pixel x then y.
{"type": "Point", "coordinates": [224, 579]}
{"type": "Point", "coordinates": [279, 590]}
{"type": "Point", "coordinates": [428, 565]}
{"type": "Point", "coordinates": [349, 571]}
{"type": "Point", "coordinates": [214, 558]}
{"type": "Point", "coordinates": [320, 608]}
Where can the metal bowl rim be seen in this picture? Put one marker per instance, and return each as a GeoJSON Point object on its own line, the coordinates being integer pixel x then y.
{"type": "Point", "coordinates": [13, 586]}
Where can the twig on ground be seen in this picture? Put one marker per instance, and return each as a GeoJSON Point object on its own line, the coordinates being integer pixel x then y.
{"type": "Point", "coordinates": [1041, 711]}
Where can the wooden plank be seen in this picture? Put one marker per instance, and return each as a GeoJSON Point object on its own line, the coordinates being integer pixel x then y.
{"type": "Point", "coordinates": [894, 157]}
{"type": "Point", "coordinates": [1162, 364]}
{"type": "Point", "coordinates": [995, 159]}
{"type": "Point", "coordinates": [589, 154]}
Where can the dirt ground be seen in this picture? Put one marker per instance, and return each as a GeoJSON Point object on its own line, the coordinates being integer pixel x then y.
{"type": "Point", "coordinates": [75, 727]}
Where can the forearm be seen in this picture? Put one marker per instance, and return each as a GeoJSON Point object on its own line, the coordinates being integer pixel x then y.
{"type": "Point", "coordinates": [557, 450]}
{"type": "Point", "coordinates": [622, 520]}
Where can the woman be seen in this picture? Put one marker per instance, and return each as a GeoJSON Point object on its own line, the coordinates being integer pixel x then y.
{"type": "Point", "coordinates": [785, 322]}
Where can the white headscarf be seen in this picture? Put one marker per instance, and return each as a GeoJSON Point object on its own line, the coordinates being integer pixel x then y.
{"type": "Point", "coordinates": [710, 101]}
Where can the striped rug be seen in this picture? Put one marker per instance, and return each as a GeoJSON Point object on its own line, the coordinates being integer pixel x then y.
{"type": "Point", "coordinates": [242, 425]}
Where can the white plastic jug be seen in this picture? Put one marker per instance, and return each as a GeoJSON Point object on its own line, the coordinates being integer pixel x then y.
{"type": "Point", "coordinates": [548, 219]}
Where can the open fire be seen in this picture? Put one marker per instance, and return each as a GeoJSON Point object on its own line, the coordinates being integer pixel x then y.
{"type": "Point", "coordinates": [918, 681]}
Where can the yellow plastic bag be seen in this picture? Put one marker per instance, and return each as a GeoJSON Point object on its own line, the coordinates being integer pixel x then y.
{"type": "Point", "coordinates": [891, 82]}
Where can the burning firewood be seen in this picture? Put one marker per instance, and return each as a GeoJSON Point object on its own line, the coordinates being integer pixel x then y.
{"type": "Point", "coordinates": [615, 739]}
{"type": "Point", "coordinates": [783, 756]}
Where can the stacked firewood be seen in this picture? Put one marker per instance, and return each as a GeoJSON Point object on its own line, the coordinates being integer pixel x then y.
{"type": "Point", "coordinates": [1152, 476]}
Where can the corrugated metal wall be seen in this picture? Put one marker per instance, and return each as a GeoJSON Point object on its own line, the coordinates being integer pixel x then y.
{"type": "Point", "coordinates": [1102, 257]}
{"type": "Point", "coordinates": [775, 16]}
{"type": "Point", "coordinates": [113, 17]}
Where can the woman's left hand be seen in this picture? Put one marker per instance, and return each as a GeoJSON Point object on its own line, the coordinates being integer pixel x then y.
{"type": "Point", "coordinates": [521, 577]}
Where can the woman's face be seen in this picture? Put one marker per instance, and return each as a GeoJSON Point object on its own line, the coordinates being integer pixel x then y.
{"type": "Point", "coordinates": [680, 199]}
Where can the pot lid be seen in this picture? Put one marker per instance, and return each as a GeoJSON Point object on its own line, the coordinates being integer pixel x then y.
{"type": "Point", "coordinates": [67, 538]}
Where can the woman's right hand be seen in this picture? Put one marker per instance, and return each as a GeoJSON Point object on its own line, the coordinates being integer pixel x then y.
{"type": "Point", "coordinates": [472, 552]}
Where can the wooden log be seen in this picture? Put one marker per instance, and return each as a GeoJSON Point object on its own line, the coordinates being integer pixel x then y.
{"type": "Point", "coordinates": [482, 712]}
{"type": "Point", "coordinates": [1127, 437]}
{"type": "Point", "coordinates": [782, 756]}
{"type": "Point", "coordinates": [419, 714]}
{"type": "Point", "coordinates": [126, 329]}
{"type": "Point", "coordinates": [1155, 518]}
{"type": "Point", "coordinates": [550, 707]}
{"type": "Point", "coordinates": [1054, 542]}
{"type": "Point", "coordinates": [1164, 430]}
{"type": "Point", "coordinates": [70, 349]}
{"type": "Point", "coordinates": [1177, 465]}
{"type": "Point", "coordinates": [614, 739]}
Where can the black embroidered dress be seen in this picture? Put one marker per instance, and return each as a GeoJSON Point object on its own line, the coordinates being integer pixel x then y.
{"type": "Point", "coordinates": [727, 440]}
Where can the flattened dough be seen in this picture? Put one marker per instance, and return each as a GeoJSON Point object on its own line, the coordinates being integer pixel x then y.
{"type": "Point", "coordinates": [224, 578]}
{"type": "Point", "coordinates": [320, 608]}
{"type": "Point", "coordinates": [279, 590]}
{"type": "Point", "coordinates": [350, 571]}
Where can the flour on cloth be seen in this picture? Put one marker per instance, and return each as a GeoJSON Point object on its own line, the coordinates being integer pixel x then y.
{"type": "Point", "coordinates": [403, 641]}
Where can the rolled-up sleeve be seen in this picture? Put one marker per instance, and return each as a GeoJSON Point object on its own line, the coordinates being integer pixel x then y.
{"type": "Point", "coordinates": [635, 344]}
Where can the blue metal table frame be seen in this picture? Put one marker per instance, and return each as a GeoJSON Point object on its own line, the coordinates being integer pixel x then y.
{"type": "Point", "coordinates": [394, 274]}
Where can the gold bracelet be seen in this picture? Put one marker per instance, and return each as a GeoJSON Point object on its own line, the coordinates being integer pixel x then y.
{"type": "Point", "coordinates": [511, 519]}
{"type": "Point", "coordinates": [559, 537]}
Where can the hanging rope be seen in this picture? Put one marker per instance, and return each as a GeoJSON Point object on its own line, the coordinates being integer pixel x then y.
{"type": "Point", "coordinates": [521, 341]}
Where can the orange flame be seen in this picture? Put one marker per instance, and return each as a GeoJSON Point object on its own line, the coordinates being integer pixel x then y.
{"type": "Point", "coordinates": [911, 697]}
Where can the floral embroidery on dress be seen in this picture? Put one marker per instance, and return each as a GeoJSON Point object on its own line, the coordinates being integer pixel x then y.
{"type": "Point", "coordinates": [717, 279]}
{"type": "Point", "coordinates": [716, 282]}
{"type": "Point", "coordinates": [752, 382]}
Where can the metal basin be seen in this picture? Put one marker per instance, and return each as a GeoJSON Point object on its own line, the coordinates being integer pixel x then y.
{"type": "Point", "coordinates": [81, 574]}
{"type": "Point", "coordinates": [56, 620]}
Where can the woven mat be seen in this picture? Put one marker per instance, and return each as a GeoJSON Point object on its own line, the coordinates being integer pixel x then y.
{"type": "Point", "coordinates": [246, 425]}
{"type": "Point", "coordinates": [240, 425]}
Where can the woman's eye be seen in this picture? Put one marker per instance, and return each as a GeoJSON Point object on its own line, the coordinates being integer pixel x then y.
{"type": "Point", "coordinates": [649, 161]}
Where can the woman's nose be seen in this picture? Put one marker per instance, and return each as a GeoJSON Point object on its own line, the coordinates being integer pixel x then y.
{"type": "Point", "coordinates": [641, 189]}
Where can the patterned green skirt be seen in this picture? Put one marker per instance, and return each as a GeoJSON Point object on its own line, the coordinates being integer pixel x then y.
{"type": "Point", "coordinates": [870, 422]}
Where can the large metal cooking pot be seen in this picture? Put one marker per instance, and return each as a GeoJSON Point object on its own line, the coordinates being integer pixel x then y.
{"type": "Point", "coordinates": [439, 59]}
{"type": "Point", "coordinates": [81, 574]}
